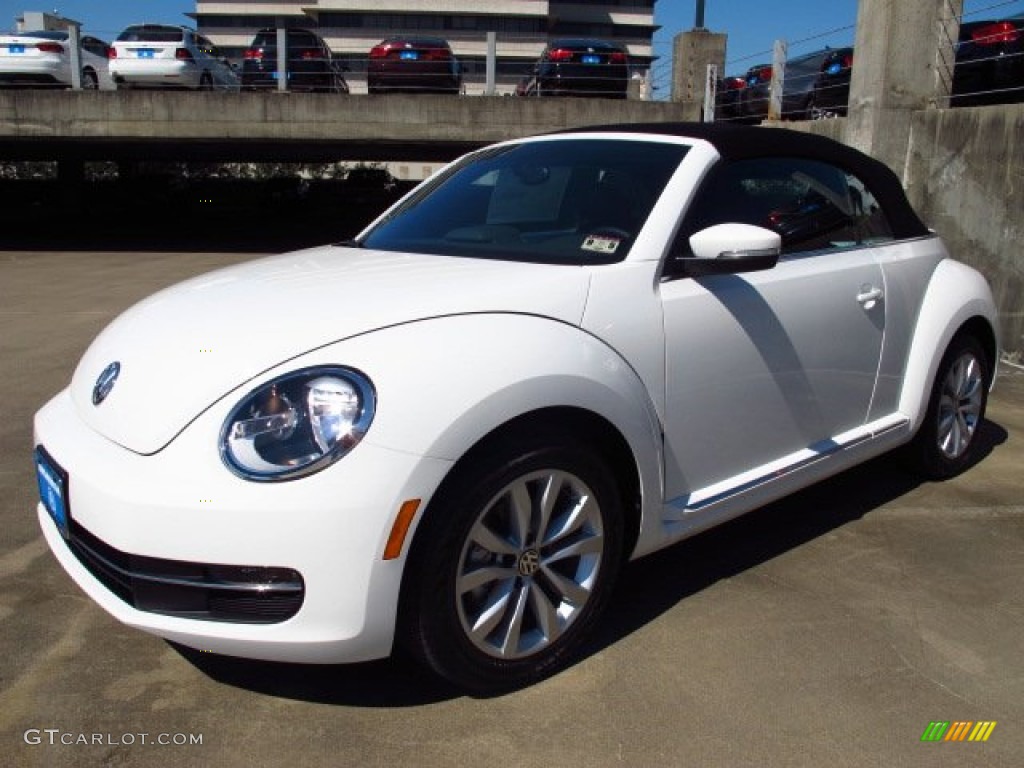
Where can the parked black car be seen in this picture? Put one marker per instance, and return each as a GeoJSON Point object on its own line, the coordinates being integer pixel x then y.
{"type": "Point", "coordinates": [413, 65]}
{"type": "Point", "coordinates": [727, 98]}
{"type": "Point", "coordinates": [832, 89]}
{"type": "Point", "coordinates": [988, 69]}
{"type": "Point", "coordinates": [580, 67]}
{"type": "Point", "coordinates": [797, 87]}
{"type": "Point", "coordinates": [989, 63]}
{"type": "Point", "coordinates": [310, 63]}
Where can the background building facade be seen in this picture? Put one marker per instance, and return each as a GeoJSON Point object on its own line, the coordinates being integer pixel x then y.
{"type": "Point", "coordinates": [522, 27]}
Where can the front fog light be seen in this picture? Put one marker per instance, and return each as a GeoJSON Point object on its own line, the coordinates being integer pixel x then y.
{"type": "Point", "coordinates": [297, 424]}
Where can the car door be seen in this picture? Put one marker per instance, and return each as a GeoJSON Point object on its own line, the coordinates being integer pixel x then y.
{"type": "Point", "coordinates": [765, 366]}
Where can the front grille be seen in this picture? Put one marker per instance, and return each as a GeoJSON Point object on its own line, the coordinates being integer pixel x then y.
{"type": "Point", "coordinates": [236, 593]}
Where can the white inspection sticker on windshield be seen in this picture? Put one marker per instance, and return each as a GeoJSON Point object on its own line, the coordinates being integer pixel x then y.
{"type": "Point", "coordinates": [601, 243]}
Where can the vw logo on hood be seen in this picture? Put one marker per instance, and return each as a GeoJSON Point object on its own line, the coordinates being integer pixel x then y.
{"type": "Point", "coordinates": [105, 382]}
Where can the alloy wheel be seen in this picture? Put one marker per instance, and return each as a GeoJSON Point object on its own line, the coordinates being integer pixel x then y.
{"type": "Point", "coordinates": [529, 564]}
{"type": "Point", "coordinates": [960, 405]}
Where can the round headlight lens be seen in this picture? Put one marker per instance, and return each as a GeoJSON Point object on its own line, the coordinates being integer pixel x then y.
{"type": "Point", "coordinates": [297, 424]}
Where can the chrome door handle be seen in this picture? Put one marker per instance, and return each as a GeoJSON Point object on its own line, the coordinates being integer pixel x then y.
{"type": "Point", "coordinates": [869, 294]}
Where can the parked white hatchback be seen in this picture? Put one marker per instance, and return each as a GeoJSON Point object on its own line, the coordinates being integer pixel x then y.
{"type": "Point", "coordinates": [42, 59]}
{"type": "Point", "coordinates": [555, 355]}
{"type": "Point", "coordinates": [165, 56]}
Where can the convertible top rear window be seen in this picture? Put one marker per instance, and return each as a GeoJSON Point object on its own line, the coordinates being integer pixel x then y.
{"type": "Point", "coordinates": [580, 201]}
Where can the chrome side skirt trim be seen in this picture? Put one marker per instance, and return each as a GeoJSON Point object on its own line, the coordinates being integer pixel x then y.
{"type": "Point", "coordinates": [702, 499]}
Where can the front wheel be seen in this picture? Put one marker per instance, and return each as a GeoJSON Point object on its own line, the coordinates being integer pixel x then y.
{"type": "Point", "coordinates": [946, 441]}
{"type": "Point", "coordinates": [514, 565]}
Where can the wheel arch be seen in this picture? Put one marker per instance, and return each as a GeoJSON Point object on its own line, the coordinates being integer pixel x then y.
{"type": "Point", "coordinates": [583, 426]}
{"type": "Point", "coordinates": [958, 300]}
{"type": "Point", "coordinates": [543, 424]}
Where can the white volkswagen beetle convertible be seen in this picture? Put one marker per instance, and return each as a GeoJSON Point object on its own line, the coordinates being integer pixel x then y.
{"type": "Point", "coordinates": [558, 354]}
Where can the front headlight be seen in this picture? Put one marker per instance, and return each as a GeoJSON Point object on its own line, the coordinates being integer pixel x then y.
{"type": "Point", "coordinates": [297, 424]}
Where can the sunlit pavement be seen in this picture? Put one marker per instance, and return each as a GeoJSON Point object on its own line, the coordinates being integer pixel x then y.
{"type": "Point", "coordinates": [827, 630]}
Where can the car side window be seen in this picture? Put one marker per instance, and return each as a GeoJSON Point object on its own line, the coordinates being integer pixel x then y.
{"type": "Point", "coordinates": [814, 206]}
{"type": "Point", "coordinates": [94, 46]}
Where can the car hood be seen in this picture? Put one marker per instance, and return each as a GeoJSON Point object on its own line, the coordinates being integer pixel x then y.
{"type": "Point", "coordinates": [185, 347]}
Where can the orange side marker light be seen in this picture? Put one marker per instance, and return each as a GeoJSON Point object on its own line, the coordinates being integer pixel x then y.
{"type": "Point", "coordinates": [406, 514]}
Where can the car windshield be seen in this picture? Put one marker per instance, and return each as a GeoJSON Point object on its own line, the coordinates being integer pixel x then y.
{"type": "Point", "coordinates": [571, 201]}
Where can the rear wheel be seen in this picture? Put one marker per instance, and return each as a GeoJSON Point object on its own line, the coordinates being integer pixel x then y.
{"type": "Point", "coordinates": [89, 80]}
{"type": "Point", "coordinates": [811, 110]}
{"type": "Point", "coordinates": [514, 564]}
{"type": "Point", "coordinates": [946, 441]}
{"type": "Point", "coordinates": [205, 82]}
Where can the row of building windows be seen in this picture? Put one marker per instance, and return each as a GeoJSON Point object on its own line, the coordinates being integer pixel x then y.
{"type": "Point", "coordinates": [631, 3]}
{"type": "Point", "coordinates": [647, 4]}
{"type": "Point", "coordinates": [436, 22]}
{"type": "Point", "coordinates": [402, 23]}
{"type": "Point", "coordinates": [523, 25]}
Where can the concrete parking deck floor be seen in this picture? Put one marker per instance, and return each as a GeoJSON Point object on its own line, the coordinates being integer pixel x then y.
{"type": "Point", "coordinates": [826, 630]}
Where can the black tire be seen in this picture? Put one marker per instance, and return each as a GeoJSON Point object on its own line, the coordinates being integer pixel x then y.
{"type": "Point", "coordinates": [946, 442]}
{"type": "Point", "coordinates": [533, 594]}
{"type": "Point", "coordinates": [205, 82]}
{"type": "Point", "coordinates": [89, 80]}
{"type": "Point", "coordinates": [811, 111]}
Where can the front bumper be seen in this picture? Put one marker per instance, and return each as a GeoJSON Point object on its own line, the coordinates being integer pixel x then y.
{"type": "Point", "coordinates": [181, 505]}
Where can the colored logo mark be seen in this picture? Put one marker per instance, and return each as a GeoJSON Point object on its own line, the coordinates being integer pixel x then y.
{"type": "Point", "coordinates": [958, 730]}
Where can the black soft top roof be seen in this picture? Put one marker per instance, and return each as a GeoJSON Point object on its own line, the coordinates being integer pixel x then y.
{"type": "Point", "coordinates": [741, 142]}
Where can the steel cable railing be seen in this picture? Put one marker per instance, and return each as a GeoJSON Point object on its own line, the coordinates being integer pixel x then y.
{"type": "Point", "coordinates": [969, 75]}
{"type": "Point", "coordinates": [512, 76]}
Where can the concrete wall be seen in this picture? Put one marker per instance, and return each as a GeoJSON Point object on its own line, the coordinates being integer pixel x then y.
{"type": "Point", "coordinates": [965, 176]}
{"type": "Point", "coordinates": [396, 126]}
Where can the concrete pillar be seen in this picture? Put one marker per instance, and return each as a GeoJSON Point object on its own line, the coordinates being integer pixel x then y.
{"type": "Point", "coordinates": [691, 53]}
{"type": "Point", "coordinates": [282, 57]}
{"type": "Point", "coordinates": [903, 63]}
{"type": "Point", "coordinates": [490, 84]}
{"type": "Point", "coordinates": [75, 46]}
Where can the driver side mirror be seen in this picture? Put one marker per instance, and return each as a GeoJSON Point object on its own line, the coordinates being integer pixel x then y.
{"type": "Point", "coordinates": [728, 249]}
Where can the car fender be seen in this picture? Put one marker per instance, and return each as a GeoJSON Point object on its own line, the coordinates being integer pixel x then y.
{"type": "Point", "coordinates": [955, 295]}
{"type": "Point", "coordinates": [443, 384]}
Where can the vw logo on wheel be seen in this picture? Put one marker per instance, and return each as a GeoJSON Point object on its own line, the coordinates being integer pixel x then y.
{"type": "Point", "coordinates": [105, 382]}
{"type": "Point", "coordinates": [529, 562]}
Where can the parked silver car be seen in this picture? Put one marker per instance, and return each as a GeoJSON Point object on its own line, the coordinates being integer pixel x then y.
{"type": "Point", "coordinates": [165, 56]}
